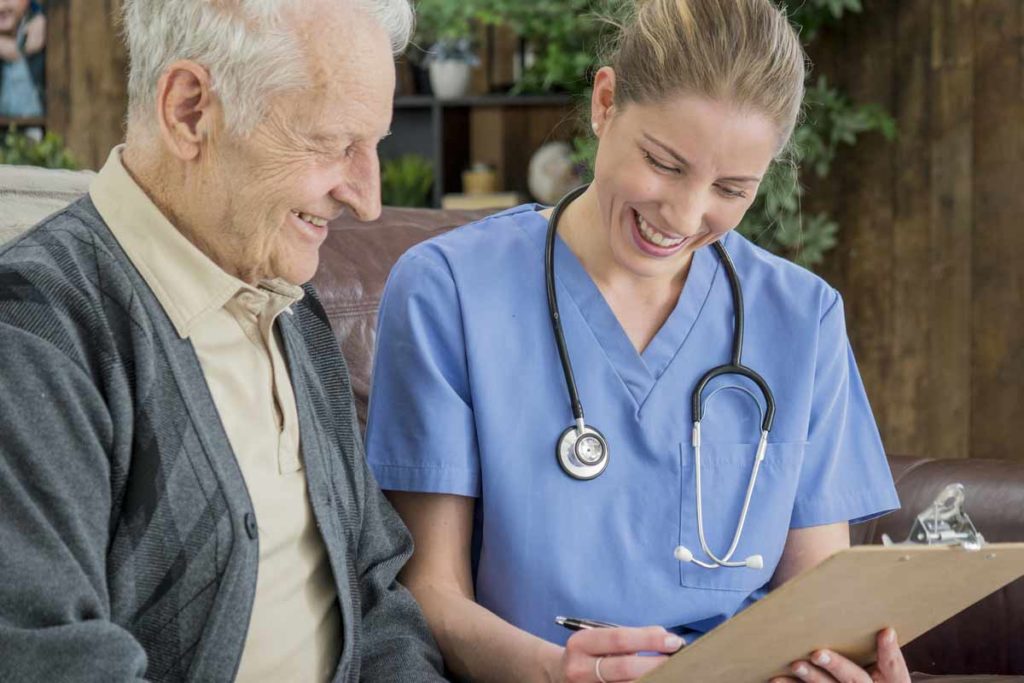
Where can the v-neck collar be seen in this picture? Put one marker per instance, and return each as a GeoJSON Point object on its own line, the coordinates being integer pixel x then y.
{"type": "Point", "coordinates": [639, 372]}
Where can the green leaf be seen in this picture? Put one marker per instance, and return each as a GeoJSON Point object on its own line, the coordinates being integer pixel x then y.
{"type": "Point", "coordinates": [20, 149]}
{"type": "Point", "coordinates": [406, 181]}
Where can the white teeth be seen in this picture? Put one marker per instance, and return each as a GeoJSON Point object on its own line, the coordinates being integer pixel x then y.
{"type": "Point", "coordinates": [655, 237]}
{"type": "Point", "coordinates": [309, 218]}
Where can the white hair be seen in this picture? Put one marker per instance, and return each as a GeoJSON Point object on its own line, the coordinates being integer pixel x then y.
{"type": "Point", "coordinates": [250, 52]}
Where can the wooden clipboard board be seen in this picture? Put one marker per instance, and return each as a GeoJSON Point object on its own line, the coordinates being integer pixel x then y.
{"type": "Point", "coordinates": [841, 604]}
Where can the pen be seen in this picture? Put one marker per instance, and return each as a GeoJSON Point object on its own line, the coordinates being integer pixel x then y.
{"type": "Point", "coordinates": [575, 624]}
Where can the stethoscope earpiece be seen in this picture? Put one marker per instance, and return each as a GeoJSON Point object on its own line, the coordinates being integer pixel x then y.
{"type": "Point", "coordinates": [684, 555]}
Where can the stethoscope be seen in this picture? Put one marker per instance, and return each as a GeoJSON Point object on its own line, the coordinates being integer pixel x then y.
{"type": "Point", "coordinates": [582, 450]}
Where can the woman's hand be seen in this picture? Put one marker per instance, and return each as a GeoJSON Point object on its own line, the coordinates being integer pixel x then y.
{"type": "Point", "coordinates": [829, 667]}
{"type": "Point", "coordinates": [609, 654]}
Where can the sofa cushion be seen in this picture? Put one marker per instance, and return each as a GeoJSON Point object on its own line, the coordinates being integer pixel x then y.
{"type": "Point", "coordinates": [354, 265]}
{"type": "Point", "coordinates": [29, 194]}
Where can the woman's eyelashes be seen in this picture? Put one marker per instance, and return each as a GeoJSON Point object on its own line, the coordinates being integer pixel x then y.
{"type": "Point", "coordinates": [658, 166]}
{"type": "Point", "coordinates": [730, 193]}
{"type": "Point", "coordinates": [725, 191]}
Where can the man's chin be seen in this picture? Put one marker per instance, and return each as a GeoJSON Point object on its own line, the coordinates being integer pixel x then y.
{"type": "Point", "coordinates": [299, 272]}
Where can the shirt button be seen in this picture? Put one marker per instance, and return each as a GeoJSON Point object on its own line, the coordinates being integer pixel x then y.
{"type": "Point", "coordinates": [250, 525]}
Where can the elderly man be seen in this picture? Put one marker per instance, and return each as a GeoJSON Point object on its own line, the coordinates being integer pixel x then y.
{"type": "Point", "coordinates": [182, 488]}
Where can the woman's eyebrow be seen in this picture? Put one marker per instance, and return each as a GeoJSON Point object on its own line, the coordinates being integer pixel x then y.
{"type": "Point", "coordinates": [681, 160]}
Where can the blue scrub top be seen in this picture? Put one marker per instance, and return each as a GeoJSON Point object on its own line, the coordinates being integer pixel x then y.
{"type": "Point", "coordinates": [469, 398]}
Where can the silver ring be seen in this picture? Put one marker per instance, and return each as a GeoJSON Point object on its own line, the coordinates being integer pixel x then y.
{"type": "Point", "coordinates": [597, 670]}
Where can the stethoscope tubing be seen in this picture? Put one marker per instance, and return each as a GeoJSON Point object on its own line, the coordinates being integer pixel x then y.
{"type": "Point", "coordinates": [556, 318]}
{"type": "Point", "coordinates": [733, 367]}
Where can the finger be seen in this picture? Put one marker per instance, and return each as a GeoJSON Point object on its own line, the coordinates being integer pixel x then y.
{"type": "Point", "coordinates": [891, 665]}
{"type": "Point", "coordinates": [805, 671]}
{"type": "Point", "coordinates": [629, 667]}
{"type": "Point", "coordinates": [618, 641]}
{"type": "Point", "coordinates": [841, 668]}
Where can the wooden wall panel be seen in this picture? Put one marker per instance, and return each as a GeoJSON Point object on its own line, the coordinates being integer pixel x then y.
{"type": "Point", "coordinates": [931, 254]}
{"type": "Point", "coordinates": [904, 423]}
{"type": "Point", "coordinates": [997, 354]}
{"type": "Point", "coordinates": [949, 293]}
{"type": "Point", "coordinates": [87, 68]}
{"type": "Point", "coordinates": [863, 183]}
{"type": "Point", "coordinates": [58, 67]}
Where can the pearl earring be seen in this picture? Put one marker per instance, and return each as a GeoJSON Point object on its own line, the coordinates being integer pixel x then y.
{"type": "Point", "coordinates": [593, 124]}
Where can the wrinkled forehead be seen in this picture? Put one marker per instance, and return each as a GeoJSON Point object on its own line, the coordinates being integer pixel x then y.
{"type": "Point", "coordinates": [350, 66]}
{"type": "Point", "coordinates": [340, 40]}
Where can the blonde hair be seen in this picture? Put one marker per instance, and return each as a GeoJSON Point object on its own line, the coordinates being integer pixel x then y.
{"type": "Point", "coordinates": [742, 51]}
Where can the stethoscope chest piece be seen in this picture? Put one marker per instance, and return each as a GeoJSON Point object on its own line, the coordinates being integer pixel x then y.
{"type": "Point", "coordinates": [582, 456]}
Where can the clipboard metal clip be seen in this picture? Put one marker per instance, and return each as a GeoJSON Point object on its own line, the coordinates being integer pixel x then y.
{"type": "Point", "coordinates": [944, 522]}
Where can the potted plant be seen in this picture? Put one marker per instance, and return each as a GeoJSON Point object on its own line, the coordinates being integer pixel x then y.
{"type": "Point", "coordinates": [446, 27]}
{"type": "Point", "coordinates": [406, 181]}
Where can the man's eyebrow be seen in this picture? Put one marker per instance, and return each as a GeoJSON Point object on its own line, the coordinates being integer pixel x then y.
{"type": "Point", "coordinates": [336, 137]}
{"type": "Point", "coordinates": [681, 160]}
{"type": "Point", "coordinates": [326, 137]}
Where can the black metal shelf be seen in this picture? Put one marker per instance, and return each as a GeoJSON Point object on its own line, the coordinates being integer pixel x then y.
{"type": "Point", "coordinates": [439, 129]}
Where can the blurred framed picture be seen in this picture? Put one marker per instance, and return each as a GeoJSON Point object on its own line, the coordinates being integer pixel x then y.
{"type": "Point", "coordinates": [22, 60]}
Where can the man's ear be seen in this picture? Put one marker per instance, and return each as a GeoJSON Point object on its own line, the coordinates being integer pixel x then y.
{"type": "Point", "coordinates": [602, 101]}
{"type": "Point", "coordinates": [186, 108]}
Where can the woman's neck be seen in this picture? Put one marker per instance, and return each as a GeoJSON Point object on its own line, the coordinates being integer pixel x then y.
{"type": "Point", "coordinates": [586, 232]}
{"type": "Point", "coordinates": [641, 304]}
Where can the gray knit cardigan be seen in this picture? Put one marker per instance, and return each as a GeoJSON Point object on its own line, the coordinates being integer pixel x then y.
{"type": "Point", "coordinates": [128, 544]}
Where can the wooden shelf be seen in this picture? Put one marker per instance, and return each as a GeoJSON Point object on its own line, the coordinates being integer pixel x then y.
{"type": "Point", "coordinates": [499, 129]}
{"type": "Point", "coordinates": [24, 122]}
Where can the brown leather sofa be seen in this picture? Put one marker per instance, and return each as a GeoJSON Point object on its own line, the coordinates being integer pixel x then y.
{"type": "Point", "coordinates": [986, 639]}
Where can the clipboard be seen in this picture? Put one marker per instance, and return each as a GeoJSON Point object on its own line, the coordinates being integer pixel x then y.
{"type": "Point", "coordinates": [841, 604]}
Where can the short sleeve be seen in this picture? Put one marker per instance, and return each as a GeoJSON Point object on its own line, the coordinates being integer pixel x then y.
{"type": "Point", "coordinates": [420, 433]}
{"type": "Point", "coordinates": [845, 475]}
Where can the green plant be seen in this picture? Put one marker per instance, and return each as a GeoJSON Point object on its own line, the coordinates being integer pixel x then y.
{"type": "Point", "coordinates": [443, 21]}
{"type": "Point", "coordinates": [559, 34]}
{"type": "Point", "coordinates": [16, 148]}
{"type": "Point", "coordinates": [562, 37]}
{"type": "Point", "coordinates": [406, 181]}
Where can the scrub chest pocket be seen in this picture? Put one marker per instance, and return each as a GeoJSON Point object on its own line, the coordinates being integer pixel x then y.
{"type": "Point", "coordinates": [725, 475]}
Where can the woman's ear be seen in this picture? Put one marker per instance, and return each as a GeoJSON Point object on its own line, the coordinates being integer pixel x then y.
{"type": "Point", "coordinates": [186, 108]}
{"type": "Point", "coordinates": [602, 101]}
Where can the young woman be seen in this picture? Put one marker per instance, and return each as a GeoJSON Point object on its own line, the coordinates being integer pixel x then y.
{"type": "Point", "coordinates": [522, 507]}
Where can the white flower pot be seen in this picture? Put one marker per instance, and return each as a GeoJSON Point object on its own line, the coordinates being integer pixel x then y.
{"type": "Point", "coordinates": [449, 78]}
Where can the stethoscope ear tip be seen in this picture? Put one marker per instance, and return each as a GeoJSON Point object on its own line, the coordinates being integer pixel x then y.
{"type": "Point", "coordinates": [683, 554]}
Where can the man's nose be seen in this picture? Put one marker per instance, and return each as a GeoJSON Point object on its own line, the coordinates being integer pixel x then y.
{"type": "Point", "coordinates": [359, 188]}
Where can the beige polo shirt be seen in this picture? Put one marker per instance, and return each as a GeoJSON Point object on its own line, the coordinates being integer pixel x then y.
{"type": "Point", "coordinates": [295, 629]}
